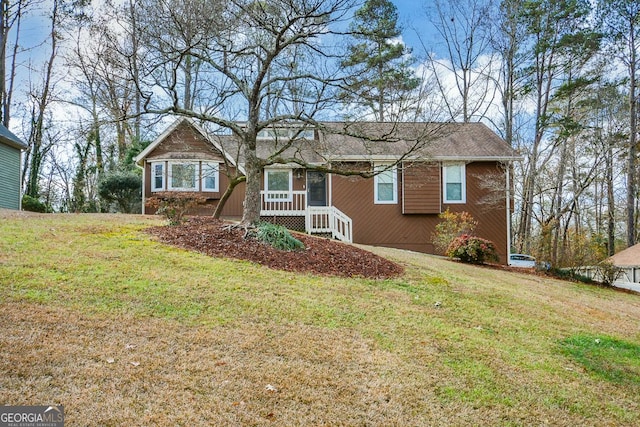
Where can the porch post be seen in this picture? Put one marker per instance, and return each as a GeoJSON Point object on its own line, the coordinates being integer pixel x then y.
{"type": "Point", "coordinates": [330, 190]}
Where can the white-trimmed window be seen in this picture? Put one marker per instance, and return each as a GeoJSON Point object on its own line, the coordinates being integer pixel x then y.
{"type": "Point", "coordinates": [157, 176]}
{"type": "Point", "coordinates": [278, 184]}
{"type": "Point", "coordinates": [210, 177]}
{"type": "Point", "coordinates": [183, 176]}
{"type": "Point", "coordinates": [454, 183]}
{"type": "Point", "coordinates": [385, 184]}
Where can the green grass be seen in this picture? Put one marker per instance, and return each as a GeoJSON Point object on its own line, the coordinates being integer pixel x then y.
{"type": "Point", "coordinates": [609, 358]}
{"type": "Point", "coordinates": [499, 348]}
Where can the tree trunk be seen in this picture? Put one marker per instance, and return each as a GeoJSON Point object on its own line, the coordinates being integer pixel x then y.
{"type": "Point", "coordinates": [558, 200]}
{"type": "Point", "coordinates": [134, 69]}
{"type": "Point", "coordinates": [253, 169]}
{"type": "Point", "coordinates": [633, 151]}
{"type": "Point", "coordinates": [6, 85]}
{"type": "Point", "coordinates": [233, 183]}
{"type": "Point", "coordinates": [97, 141]}
{"type": "Point", "coordinates": [36, 139]}
{"type": "Point", "coordinates": [611, 206]}
{"type": "Point", "coordinates": [4, 34]}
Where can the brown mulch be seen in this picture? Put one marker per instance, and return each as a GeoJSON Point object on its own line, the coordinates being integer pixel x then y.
{"type": "Point", "coordinates": [320, 256]}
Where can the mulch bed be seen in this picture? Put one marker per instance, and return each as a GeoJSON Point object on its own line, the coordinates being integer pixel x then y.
{"type": "Point", "coordinates": [320, 256]}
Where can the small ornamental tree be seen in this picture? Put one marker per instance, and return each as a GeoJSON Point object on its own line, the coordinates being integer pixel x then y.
{"type": "Point", "coordinates": [174, 205]}
{"type": "Point", "coordinates": [453, 224]}
{"type": "Point", "coordinates": [472, 249]}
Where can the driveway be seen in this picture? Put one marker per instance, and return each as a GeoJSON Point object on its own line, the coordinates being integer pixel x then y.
{"type": "Point", "coordinates": [627, 285]}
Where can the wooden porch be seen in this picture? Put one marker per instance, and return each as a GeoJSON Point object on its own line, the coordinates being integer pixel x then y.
{"type": "Point", "coordinates": [318, 219]}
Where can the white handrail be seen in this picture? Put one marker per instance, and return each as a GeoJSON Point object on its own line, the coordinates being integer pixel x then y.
{"type": "Point", "coordinates": [329, 219]}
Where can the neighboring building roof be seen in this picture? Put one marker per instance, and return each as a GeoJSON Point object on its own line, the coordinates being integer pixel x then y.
{"type": "Point", "coordinates": [8, 138]}
{"type": "Point", "coordinates": [629, 257]}
{"type": "Point", "coordinates": [362, 141]}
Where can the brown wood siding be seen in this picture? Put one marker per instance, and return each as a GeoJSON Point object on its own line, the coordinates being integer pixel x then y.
{"type": "Point", "coordinates": [385, 225]}
{"type": "Point", "coordinates": [421, 188]}
{"type": "Point", "coordinates": [185, 143]}
{"type": "Point", "coordinates": [299, 179]}
{"type": "Point", "coordinates": [486, 192]}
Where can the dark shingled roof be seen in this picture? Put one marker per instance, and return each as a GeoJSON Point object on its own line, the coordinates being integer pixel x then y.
{"type": "Point", "coordinates": [464, 141]}
{"type": "Point", "coordinates": [372, 141]}
{"type": "Point", "coordinates": [8, 138]}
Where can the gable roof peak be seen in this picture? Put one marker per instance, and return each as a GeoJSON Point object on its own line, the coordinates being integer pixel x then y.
{"type": "Point", "coordinates": [139, 159]}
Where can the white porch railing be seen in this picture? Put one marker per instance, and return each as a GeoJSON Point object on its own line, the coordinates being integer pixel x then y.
{"type": "Point", "coordinates": [328, 219]}
{"type": "Point", "coordinates": [283, 203]}
{"type": "Point", "coordinates": [625, 274]}
{"type": "Point", "coordinates": [318, 219]}
{"type": "Point", "coordinates": [630, 274]}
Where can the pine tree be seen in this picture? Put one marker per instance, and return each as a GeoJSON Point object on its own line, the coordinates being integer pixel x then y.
{"type": "Point", "coordinates": [378, 63]}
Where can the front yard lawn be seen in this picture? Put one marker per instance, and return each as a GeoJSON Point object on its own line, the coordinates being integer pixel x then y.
{"type": "Point", "coordinates": [122, 329]}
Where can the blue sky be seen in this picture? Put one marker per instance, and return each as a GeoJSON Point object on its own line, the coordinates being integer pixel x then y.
{"type": "Point", "coordinates": [413, 19]}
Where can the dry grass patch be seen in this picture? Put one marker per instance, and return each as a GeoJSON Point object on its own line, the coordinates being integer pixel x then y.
{"type": "Point", "coordinates": [123, 330]}
{"type": "Point", "coordinates": [153, 372]}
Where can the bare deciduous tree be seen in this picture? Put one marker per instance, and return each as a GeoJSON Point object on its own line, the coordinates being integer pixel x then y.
{"type": "Point", "coordinates": [463, 27]}
{"type": "Point", "coordinates": [260, 66]}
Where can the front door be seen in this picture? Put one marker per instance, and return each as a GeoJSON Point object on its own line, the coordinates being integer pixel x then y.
{"type": "Point", "coordinates": [316, 188]}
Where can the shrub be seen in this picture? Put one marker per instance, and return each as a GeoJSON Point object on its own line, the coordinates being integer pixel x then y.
{"type": "Point", "coordinates": [174, 205]}
{"type": "Point", "coordinates": [569, 274]}
{"type": "Point", "coordinates": [278, 237]}
{"type": "Point", "coordinates": [608, 273]}
{"type": "Point", "coordinates": [32, 204]}
{"type": "Point", "coordinates": [472, 249]}
{"type": "Point", "coordinates": [453, 225]}
{"type": "Point", "coordinates": [122, 188]}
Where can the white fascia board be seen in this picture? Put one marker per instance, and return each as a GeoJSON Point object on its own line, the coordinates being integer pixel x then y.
{"type": "Point", "coordinates": [386, 158]}
{"type": "Point", "coordinates": [364, 158]}
{"type": "Point", "coordinates": [475, 159]}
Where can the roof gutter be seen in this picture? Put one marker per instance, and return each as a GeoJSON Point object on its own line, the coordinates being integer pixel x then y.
{"type": "Point", "coordinates": [382, 157]}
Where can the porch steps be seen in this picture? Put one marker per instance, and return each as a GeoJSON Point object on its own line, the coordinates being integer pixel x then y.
{"type": "Point", "coordinates": [329, 220]}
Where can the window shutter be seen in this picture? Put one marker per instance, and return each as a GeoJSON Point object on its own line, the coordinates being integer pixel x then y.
{"type": "Point", "coordinates": [421, 188]}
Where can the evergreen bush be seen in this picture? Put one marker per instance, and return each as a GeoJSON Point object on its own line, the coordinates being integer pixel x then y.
{"type": "Point", "coordinates": [32, 204]}
{"type": "Point", "coordinates": [122, 188]}
{"type": "Point", "coordinates": [278, 237]}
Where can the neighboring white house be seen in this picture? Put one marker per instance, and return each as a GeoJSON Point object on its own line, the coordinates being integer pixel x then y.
{"type": "Point", "coordinates": [10, 162]}
{"type": "Point", "coordinates": [628, 261]}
